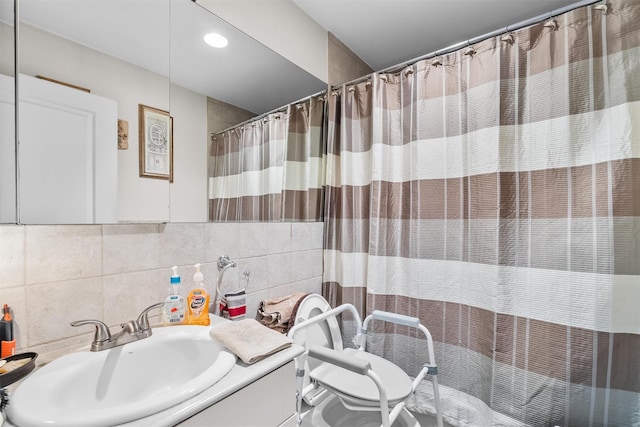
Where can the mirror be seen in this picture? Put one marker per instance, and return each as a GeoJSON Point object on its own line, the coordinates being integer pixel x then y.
{"type": "Point", "coordinates": [134, 55]}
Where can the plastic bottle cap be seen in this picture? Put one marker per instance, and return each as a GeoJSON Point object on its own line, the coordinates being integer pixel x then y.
{"type": "Point", "coordinates": [175, 279]}
{"type": "Point", "coordinates": [197, 276]}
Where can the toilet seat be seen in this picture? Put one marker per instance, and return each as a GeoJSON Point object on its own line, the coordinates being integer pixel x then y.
{"type": "Point", "coordinates": [326, 334]}
{"type": "Point", "coordinates": [361, 389]}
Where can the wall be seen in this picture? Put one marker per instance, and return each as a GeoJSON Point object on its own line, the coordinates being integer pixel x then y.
{"type": "Point", "coordinates": [344, 65]}
{"type": "Point", "coordinates": [51, 275]}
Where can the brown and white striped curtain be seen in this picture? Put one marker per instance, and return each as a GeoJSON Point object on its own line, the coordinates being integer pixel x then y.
{"type": "Point", "coordinates": [494, 193]}
{"type": "Point", "coordinates": [270, 169]}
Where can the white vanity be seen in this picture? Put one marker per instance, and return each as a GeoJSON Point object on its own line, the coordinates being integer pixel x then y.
{"type": "Point", "coordinates": [268, 400]}
{"type": "Point", "coordinates": [90, 387]}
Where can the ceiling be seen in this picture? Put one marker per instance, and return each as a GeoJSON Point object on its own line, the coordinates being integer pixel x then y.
{"type": "Point", "coordinates": [384, 33]}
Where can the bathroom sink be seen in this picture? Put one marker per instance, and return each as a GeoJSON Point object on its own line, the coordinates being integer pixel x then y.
{"type": "Point", "coordinates": [122, 384]}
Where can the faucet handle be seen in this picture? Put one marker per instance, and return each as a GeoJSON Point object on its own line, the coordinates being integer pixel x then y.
{"type": "Point", "coordinates": [143, 318]}
{"type": "Point", "coordinates": [102, 330]}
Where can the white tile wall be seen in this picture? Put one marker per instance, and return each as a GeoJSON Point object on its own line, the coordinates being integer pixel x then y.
{"type": "Point", "coordinates": [11, 256]}
{"type": "Point", "coordinates": [51, 275]}
{"type": "Point", "coordinates": [131, 247]}
{"type": "Point", "coordinates": [52, 305]}
{"type": "Point", "coordinates": [59, 252]}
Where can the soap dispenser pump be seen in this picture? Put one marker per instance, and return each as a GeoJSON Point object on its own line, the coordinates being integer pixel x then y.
{"type": "Point", "coordinates": [174, 312]}
{"type": "Point", "coordinates": [198, 301]}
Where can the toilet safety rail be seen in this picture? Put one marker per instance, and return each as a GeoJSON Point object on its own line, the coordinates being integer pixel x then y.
{"type": "Point", "coordinates": [362, 367]}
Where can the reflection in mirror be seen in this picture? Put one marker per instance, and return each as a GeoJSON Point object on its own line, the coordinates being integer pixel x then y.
{"type": "Point", "coordinates": [237, 82]}
{"type": "Point", "coordinates": [271, 169]}
{"type": "Point", "coordinates": [245, 73]}
{"type": "Point", "coordinates": [67, 158]}
{"type": "Point", "coordinates": [129, 54]}
{"type": "Point", "coordinates": [63, 141]}
{"type": "Point", "coordinates": [8, 212]}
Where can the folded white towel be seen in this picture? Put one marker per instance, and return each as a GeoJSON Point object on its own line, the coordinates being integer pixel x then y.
{"type": "Point", "coordinates": [249, 340]}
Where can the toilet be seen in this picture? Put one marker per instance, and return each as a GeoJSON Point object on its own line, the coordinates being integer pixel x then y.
{"type": "Point", "coordinates": [324, 408]}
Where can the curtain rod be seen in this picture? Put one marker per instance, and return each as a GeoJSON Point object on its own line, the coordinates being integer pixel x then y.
{"type": "Point", "coordinates": [469, 42]}
{"type": "Point", "coordinates": [275, 110]}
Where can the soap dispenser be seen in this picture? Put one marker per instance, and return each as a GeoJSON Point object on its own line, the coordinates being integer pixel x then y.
{"type": "Point", "coordinates": [198, 301]}
{"type": "Point", "coordinates": [174, 311]}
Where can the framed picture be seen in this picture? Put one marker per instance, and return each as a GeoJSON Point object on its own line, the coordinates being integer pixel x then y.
{"type": "Point", "coordinates": [155, 128]}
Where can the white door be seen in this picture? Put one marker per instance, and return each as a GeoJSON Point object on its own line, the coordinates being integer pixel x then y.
{"type": "Point", "coordinates": [68, 171]}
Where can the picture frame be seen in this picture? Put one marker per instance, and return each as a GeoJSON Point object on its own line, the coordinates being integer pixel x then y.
{"type": "Point", "coordinates": [155, 130]}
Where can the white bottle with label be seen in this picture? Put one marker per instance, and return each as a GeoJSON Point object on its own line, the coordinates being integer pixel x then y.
{"type": "Point", "coordinates": [174, 312]}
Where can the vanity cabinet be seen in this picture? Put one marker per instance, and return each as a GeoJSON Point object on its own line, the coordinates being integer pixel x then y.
{"type": "Point", "coordinates": [267, 402]}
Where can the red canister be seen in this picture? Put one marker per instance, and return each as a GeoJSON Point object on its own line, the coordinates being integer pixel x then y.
{"type": "Point", "coordinates": [7, 340]}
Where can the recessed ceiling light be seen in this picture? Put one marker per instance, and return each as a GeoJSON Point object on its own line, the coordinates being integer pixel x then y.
{"type": "Point", "coordinates": [216, 40]}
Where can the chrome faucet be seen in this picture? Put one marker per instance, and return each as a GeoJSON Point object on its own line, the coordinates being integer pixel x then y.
{"type": "Point", "coordinates": [131, 331]}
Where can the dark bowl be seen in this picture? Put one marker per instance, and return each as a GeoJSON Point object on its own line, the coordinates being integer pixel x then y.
{"type": "Point", "coordinates": [18, 373]}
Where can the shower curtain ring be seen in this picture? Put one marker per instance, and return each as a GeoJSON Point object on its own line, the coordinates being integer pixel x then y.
{"type": "Point", "coordinates": [551, 23]}
{"type": "Point", "coordinates": [508, 38]}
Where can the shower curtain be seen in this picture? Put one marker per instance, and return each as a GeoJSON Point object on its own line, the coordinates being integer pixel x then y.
{"type": "Point", "coordinates": [271, 168]}
{"type": "Point", "coordinates": [494, 193]}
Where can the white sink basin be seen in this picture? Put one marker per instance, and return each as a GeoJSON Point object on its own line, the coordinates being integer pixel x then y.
{"type": "Point", "coordinates": [121, 384]}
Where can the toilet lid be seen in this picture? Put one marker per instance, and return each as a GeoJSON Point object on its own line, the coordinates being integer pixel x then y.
{"type": "Point", "coordinates": [326, 334]}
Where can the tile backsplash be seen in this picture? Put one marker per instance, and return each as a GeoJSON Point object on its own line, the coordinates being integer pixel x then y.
{"type": "Point", "coordinates": [53, 274]}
